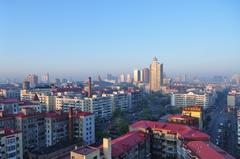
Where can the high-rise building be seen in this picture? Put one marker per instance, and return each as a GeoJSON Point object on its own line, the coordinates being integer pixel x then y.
{"type": "Point", "coordinates": [129, 78]}
{"type": "Point", "coordinates": [156, 75]}
{"type": "Point", "coordinates": [109, 76]}
{"type": "Point", "coordinates": [145, 75]}
{"type": "Point", "coordinates": [136, 75]}
{"type": "Point", "coordinates": [57, 81]}
{"type": "Point", "coordinates": [45, 78]}
{"type": "Point", "coordinates": [33, 79]}
{"type": "Point", "coordinates": [25, 85]}
{"type": "Point", "coordinates": [122, 78]}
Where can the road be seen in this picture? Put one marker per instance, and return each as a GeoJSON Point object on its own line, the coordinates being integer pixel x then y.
{"type": "Point", "coordinates": [223, 127]}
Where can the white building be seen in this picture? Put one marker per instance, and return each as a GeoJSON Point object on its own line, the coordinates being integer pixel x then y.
{"type": "Point", "coordinates": [11, 144]}
{"type": "Point", "coordinates": [121, 101]}
{"type": "Point", "coordinates": [188, 99]}
{"type": "Point", "coordinates": [84, 127]}
{"type": "Point", "coordinates": [233, 98]}
{"type": "Point", "coordinates": [100, 106]}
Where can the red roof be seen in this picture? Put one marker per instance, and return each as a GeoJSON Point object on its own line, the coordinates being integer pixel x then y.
{"type": "Point", "coordinates": [84, 113]}
{"type": "Point", "coordinates": [185, 132]}
{"type": "Point", "coordinates": [24, 103]}
{"type": "Point", "coordinates": [125, 142]}
{"type": "Point", "coordinates": [9, 101]}
{"type": "Point", "coordinates": [55, 115]}
{"type": "Point", "coordinates": [8, 131]}
{"type": "Point", "coordinates": [207, 150]}
{"type": "Point", "coordinates": [22, 115]}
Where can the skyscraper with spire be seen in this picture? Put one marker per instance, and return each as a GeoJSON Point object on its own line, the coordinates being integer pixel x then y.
{"type": "Point", "coordinates": [156, 75]}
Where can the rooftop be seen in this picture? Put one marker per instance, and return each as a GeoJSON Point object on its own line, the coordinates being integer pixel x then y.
{"type": "Point", "coordinates": [125, 142]}
{"type": "Point", "coordinates": [55, 115]}
{"type": "Point", "coordinates": [85, 150]}
{"type": "Point", "coordinates": [207, 150]}
{"type": "Point", "coordinates": [185, 132]}
{"type": "Point", "coordinates": [7, 131]}
{"type": "Point", "coordinates": [9, 101]}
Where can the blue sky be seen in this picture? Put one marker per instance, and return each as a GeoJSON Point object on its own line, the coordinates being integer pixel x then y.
{"type": "Point", "coordinates": [81, 38]}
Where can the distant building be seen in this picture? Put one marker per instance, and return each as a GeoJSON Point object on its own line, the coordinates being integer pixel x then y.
{"type": "Point", "coordinates": [233, 98]}
{"type": "Point", "coordinates": [10, 93]}
{"type": "Point", "coordinates": [25, 85]}
{"type": "Point", "coordinates": [129, 78]}
{"type": "Point", "coordinates": [205, 100]}
{"type": "Point", "coordinates": [156, 75]}
{"type": "Point", "coordinates": [57, 81]}
{"type": "Point", "coordinates": [122, 78]}
{"type": "Point", "coordinates": [33, 79]}
{"type": "Point", "coordinates": [45, 78]}
{"type": "Point", "coordinates": [145, 75]}
{"type": "Point", "coordinates": [136, 76]}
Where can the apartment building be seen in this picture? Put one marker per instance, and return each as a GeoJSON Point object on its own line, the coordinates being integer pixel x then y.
{"type": "Point", "coordinates": [56, 127]}
{"type": "Point", "coordinates": [100, 106]}
{"type": "Point", "coordinates": [11, 144]}
{"type": "Point", "coordinates": [10, 106]}
{"type": "Point", "coordinates": [132, 145]}
{"type": "Point", "coordinates": [84, 127]}
{"type": "Point", "coordinates": [32, 126]}
{"type": "Point", "coordinates": [120, 101]}
{"type": "Point", "coordinates": [10, 93]}
{"type": "Point", "coordinates": [233, 98]}
{"type": "Point", "coordinates": [186, 99]}
{"type": "Point", "coordinates": [7, 120]}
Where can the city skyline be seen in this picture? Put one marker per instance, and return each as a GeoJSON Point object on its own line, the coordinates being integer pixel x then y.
{"type": "Point", "coordinates": [82, 39]}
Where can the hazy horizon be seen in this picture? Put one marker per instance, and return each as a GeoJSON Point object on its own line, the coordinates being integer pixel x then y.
{"type": "Point", "coordinates": [81, 39]}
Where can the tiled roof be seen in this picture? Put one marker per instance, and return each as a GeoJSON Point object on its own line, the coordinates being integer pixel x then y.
{"type": "Point", "coordinates": [7, 131]}
{"type": "Point", "coordinates": [22, 115]}
{"type": "Point", "coordinates": [9, 101]}
{"type": "Point", "coordinates": [207, 150]}
{"type": "Point", "coordinates": [124, 143]}
{"type": "Point", "coordinates": [185, 132]}
{"type": "Point", "coordinates": [55, 115]}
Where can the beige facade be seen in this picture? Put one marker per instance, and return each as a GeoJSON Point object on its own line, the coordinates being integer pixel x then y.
{"type": "Point", "coordinates": [156, 75]}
